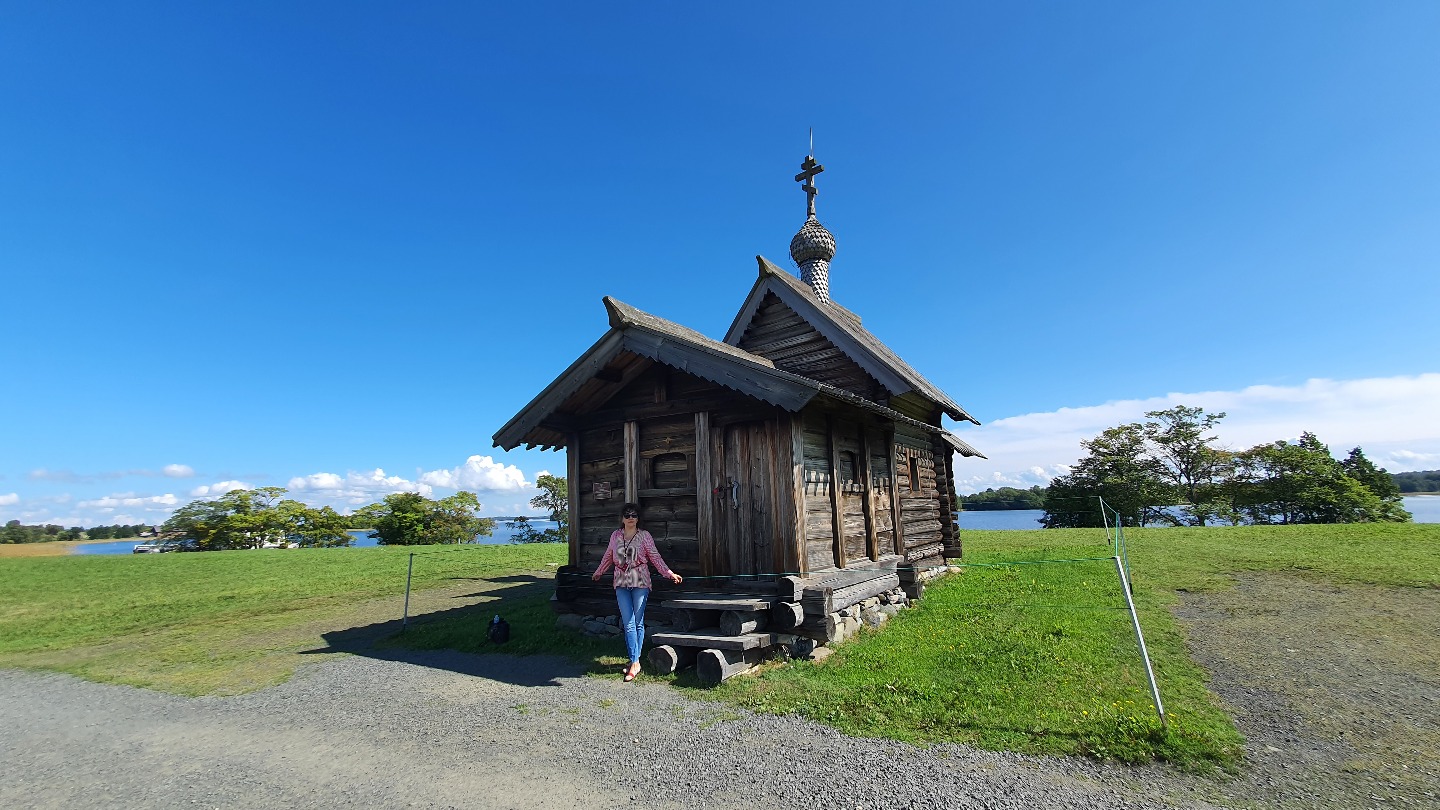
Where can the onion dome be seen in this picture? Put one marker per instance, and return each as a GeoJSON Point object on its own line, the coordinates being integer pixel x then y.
{"type": "Point", "coordinates": [813, 241]}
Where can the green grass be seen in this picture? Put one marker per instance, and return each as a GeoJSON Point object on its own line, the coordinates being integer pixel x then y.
{"type": "Point", "coordinates": [1042, 658]}
{"type": "Point", "coordinates": [221, 622]}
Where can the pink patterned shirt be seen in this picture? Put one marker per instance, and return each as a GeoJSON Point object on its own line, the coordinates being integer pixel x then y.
{"type": "Point", "coordinates": [629, 558]}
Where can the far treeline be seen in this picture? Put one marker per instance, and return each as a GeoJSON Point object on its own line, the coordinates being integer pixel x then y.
{"type": "Point", "coordinates": [1006, 498]}
{"type": "Point", "coordinates": [1413, 482]}
{"type": "Point", "coordinates": [14, 532]}
{"type": "Point", "coordinates": [256, 518]}
{"type": "Point", "coordinates": [1169, 471]}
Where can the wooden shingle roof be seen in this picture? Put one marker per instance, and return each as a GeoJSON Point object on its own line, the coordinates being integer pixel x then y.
{"type": "Point", "coordinates": [634, 341]}
{"type": "Point", "coordinates": [842, 328]}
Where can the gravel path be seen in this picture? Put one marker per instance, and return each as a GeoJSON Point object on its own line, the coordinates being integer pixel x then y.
{"type": "Point", "coordinates": [1335, 687]}
{"type": "Point", "coordinates": [452, 730]}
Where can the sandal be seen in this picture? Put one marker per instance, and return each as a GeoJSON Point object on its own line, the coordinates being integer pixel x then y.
{"type": "Point", "coordinates": [631, 672]}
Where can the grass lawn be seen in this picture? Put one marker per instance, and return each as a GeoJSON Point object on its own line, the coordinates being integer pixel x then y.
{"type": "Point", "coordinates": [224, 622]}
{"type": "Point", "coordinates": [1041, 657]}
{"type": "Point", "coordinates": [1012, 653]}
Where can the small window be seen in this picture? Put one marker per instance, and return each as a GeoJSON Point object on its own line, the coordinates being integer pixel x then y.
{"type": "Point", "coordinates": [914, 474]}
{"type": "Point", "coordinates": [670, 471]}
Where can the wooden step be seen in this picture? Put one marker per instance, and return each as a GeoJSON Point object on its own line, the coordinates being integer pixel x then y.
{"type": "Point", "coordinates": [736, 603]}
{"type": "Point", "coordinates": [714, 641]}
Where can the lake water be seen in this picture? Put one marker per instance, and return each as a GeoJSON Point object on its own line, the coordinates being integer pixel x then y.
{"type": "Point", "coordinates": [1425, 508]}
{"type": "Point", "coordinates": [502, 534]}
{"type": "Point", "coordinates": [114, 547]}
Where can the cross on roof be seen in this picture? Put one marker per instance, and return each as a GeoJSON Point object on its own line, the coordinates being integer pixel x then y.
{"type": "Point", "coordinates": [806, 179]}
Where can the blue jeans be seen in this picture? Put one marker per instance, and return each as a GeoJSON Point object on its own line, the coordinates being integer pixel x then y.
{"type": "Point", "coordinates": [632, 618]}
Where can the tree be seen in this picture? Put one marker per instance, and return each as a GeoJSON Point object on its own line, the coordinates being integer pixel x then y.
{"type": "Point", "coordinates": [522, 532]}
{"type": "Point", "coordinates": [1118, 469]}
{"type": "Point", "coordinates": [1289, 483]}
{"type": "Point", "coordinates": [315, 528]}
{"type": "Point", "coordinates": [410, 519]}
{"type": "Point", "coordinates": [1378, 481]}
{"type": "Point", "coordinates": [554, 498]}
{"type": "Point", "coordinates": [1003, 498]}
{"type": "Point", "coordinates": [253, 518]}
{"type": "Point", "coordinates": [1177, 440]}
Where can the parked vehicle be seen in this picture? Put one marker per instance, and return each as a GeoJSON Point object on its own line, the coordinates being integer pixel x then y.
{"type": "Point", "coordinates": [162, 546]}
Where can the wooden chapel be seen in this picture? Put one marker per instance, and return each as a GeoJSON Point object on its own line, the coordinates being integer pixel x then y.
{"type": "Point", "coordinates": [799, 460]}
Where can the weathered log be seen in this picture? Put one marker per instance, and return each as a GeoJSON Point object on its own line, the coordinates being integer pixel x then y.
{"type": "Point", "coordinates": [786, 615]}
{"type": "Point", "coordinates": [719, 602]}
{"type": "Point", "coordinates": [791, 588]}
{"type": "Point", "coordinates": [736, 623]}
{"type": "Point", "coordinates": [688, 621]}
{"type": "Point", "coordinates": [827, 628]}
{"type": "Point", "coordinates": [714, 666]}
{"type": "Point", "coordinates": [823, 601]}
{"type": "Point", "coordinates": [667, 659]}
{"type": "Point", "coordinates": [705, 640]}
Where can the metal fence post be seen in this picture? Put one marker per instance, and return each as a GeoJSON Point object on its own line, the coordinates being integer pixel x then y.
{"type": "Point", "coordinates": [410, 569]}
{"type": "Point", "coordinates": [1140, 637]}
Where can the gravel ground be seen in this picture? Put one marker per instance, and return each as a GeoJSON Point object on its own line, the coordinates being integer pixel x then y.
{"type": "Point", "coordinates": [452, 730]}
{"type": "Point", "coordinates": [1334, 718]}
{"type": "Point", "coordinates": [1335, 687]}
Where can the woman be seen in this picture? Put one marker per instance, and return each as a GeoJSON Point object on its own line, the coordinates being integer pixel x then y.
{"type": "Point", "coordinates": [631, 553]}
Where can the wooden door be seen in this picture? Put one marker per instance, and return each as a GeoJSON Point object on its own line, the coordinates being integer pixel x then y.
{"type": "Point", "coordinates": [745, 514]}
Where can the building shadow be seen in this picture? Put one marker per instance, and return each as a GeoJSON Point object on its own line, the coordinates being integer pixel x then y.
{"type": "Point", "coordinates": [455, 638]}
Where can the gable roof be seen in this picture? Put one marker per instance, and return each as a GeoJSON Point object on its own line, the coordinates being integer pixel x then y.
{"type": "Point", "coordinates": [842, 328]}
{"type": "Point", "coordinates": [644, 335]}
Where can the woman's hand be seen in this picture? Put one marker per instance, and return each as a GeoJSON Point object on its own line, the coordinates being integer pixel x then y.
{"type": "Point", "coordinates": [676, 578]}
{"type": "Point", "coordinates": [595, 576]}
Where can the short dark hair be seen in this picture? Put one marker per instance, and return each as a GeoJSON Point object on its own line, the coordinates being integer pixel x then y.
{"type": "Point", "coordinates": [630, 507]}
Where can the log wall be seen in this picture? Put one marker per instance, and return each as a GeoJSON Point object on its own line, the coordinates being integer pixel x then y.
{"type": "Point", "coordinates": [922, 522]}
{"type": "Point", "coordinates": [649, 460]}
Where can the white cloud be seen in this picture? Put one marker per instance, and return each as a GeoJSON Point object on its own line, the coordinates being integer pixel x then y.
{"type": "Point", "coordinates": [72, 477]}
{"type": "Point", "coordinates": [148, 503]}
{"type": "Point", "coordinates": [355, 488]}
{"type": "Point", "coordinates": [1392, 418]}
{"type": "Point", "coordinates": [219, 488]}
{"type": "Point", "coordinates": [479, 474]}
{"type": "Point", "coordinates": [10, 500]}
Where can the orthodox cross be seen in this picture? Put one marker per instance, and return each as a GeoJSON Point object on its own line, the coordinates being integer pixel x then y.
{"type": "Point", "coordinates": [806, 179]}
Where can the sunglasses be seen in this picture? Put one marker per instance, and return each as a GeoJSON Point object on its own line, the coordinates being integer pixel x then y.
{"type": "Point", "coordinates": [629, 515]}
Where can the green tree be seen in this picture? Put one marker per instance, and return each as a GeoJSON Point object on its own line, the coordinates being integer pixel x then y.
{"type": "Point", "coordinates": [554, 498]}
{"type": "Point", "coordinates": [1180, 441]}
{"type": "Point", "coordinates": [522, 532]}
{"type": "Point", "coordinates": [411, 519]}
{"type": "Point", "coordinates": [314, 528]}
{"type": "Point", "coordinates": [252, 518]}
{"type": "Point", "coordinates": [1119, 469]}
{"type": "Point", "coordinates": [13, 532]}
{"type": "Point", "coordinates": [1002, 499]}
{"type": "Point", "coordinates": [1378, 481]}
{"type": "Point", "coordinates": [1289, 483]}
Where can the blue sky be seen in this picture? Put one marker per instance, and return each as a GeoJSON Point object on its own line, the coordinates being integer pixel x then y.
{"type": "Point", "coordinates": [335, 246]}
